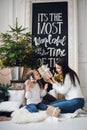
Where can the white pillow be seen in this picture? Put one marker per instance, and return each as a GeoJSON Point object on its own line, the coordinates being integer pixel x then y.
{"type": "Point", "coordinates": [16, 95]}
{"type": "Point", "coordinates": [9, 106]}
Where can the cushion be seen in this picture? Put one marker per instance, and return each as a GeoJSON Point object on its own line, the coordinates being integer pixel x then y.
{"type": "Point", "coordinates": [9, 106]}
{"type": "Point", "coordinates": [16, 95]}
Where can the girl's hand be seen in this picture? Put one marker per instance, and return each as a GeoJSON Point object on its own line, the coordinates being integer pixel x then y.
{"type": "Point", "coordinates": [28, 87]}
{"type": "Point", "coordinates": [46, 86]}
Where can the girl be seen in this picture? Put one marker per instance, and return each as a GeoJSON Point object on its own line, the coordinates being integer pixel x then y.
{"type": "Point", "coordinates": [70, 88]}
{"type": "Point", "coordinates": [34, 92]}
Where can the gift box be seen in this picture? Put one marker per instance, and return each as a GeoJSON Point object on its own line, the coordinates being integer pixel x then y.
{"type": "Point", "coordinates": [53, 111]}
{"type": "Point", "coordinates": [45, 72]}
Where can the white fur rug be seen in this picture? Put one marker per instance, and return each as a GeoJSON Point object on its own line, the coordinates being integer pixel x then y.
{"type": "Point", "coordinates": [24, 116]}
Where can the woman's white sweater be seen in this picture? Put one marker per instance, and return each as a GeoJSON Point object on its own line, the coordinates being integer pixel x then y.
{"type": "Point", "coordinates": [68, 89]}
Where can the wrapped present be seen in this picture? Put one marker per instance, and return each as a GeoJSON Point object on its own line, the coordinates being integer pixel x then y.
{"type": "Point", "coordinates": [53, 111]}
{"type": "Point", "coordinates": [45, 72]}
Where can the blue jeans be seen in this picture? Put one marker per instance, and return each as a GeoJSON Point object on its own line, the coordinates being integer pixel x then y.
{"type": "Point", "coordinates": [69, 106]}
{"type": "Point", "coordinates": [35, 107]}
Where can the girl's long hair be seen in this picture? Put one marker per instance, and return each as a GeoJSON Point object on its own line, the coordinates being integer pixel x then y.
{"type": "Point", "coordinates": [31, 74]}
{"type": "Point", "coordinates": [67, 70]}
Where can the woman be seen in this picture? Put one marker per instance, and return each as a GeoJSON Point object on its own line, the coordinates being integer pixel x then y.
{"type": "Point", "coordinates": [70, 88]}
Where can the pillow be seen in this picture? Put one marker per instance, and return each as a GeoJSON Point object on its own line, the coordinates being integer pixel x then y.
{"type": "Point", "coordinates": [9, 106]}
{"type": "Point", "coordinates": [16, 95]}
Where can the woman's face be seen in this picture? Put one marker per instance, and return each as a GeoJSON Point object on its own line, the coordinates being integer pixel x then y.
{"type": "Point", "coordinates": [58, 69]}
{"type": "Point", "coordinates": [36, 75]}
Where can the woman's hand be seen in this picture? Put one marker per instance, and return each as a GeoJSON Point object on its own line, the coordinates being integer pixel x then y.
{"type": "Point", "coordinates": [51, 80]}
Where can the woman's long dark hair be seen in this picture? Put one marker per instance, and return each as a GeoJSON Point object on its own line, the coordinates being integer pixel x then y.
{"type": "Point", "coordinates": [67, 70]}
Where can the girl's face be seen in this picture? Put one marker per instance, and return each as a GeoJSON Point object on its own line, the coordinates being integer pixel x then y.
{"type": "Point", "coordinates": [58, 69]}
{"type": "Point", "coordinates": [36, 75]}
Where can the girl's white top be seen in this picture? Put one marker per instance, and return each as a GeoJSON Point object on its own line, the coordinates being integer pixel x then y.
{"type": "Point", "coordinates": [35, 94]}
{"type": "Point", "coordinates": [68, 89]}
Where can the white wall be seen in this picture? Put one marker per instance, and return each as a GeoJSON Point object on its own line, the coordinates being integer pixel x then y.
{"type": "Point", "coordinates": [10, 9]}
{"type": "Point", "coordinates": [82, 36]}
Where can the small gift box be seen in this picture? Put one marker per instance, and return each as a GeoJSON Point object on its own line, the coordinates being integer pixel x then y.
{"type": "Point", "coordinates": [53, 111]}
{"type": "Point", "coordinates": [45, 72]}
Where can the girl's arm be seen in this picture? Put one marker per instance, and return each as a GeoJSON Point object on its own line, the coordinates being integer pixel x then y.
{"type": "Point", "coordinates": [28, 92]}
{"type": "Point", "coordinates": [44, 91]}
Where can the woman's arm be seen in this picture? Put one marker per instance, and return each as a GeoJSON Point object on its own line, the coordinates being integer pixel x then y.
{"type": "Point", "coordinates": [62, 88]}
